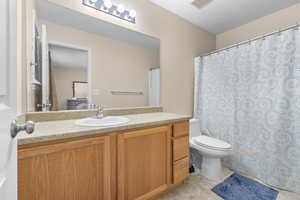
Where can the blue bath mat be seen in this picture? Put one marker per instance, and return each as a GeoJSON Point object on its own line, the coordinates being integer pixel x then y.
{"type": "Point", "coordinates": [237, 187]}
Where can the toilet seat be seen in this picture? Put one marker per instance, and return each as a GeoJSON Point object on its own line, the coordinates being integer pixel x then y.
{"type": "Point", "coordinates": [212, 143]}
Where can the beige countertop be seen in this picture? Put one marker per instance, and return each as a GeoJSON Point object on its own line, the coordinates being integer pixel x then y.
{"type": "Point", "coordinates": [62, 129]}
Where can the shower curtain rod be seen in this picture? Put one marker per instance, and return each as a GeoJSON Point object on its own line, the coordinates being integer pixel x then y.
{"type": "Point", "coordinates": [254, 39]}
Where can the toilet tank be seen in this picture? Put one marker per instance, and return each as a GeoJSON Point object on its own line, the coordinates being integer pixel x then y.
{"type": "Point", "coordinates": [194, 128]}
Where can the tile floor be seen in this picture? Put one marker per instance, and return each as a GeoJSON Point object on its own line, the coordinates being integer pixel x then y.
{"type": "Point", "coordinates": [199, 188]}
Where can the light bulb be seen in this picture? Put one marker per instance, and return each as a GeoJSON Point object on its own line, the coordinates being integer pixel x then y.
{"type": "Point", "coordinates": [107, 4]}
{"type": "Point", "coordinates": [120, 8]}
{"type": "Point", "coordinates": [93, 1]}
{"type": "Point", "coordinates": [132, 13]}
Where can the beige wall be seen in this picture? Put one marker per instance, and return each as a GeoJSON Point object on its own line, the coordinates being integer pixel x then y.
{"type": "Point", "coordinates": [281, 19]}
{"type": "Point", "coordinates": [116, 65]}
{"type": "Point", "coordinates": [180, 43]}
{"type": "Point", "coordinates": [63, 78]}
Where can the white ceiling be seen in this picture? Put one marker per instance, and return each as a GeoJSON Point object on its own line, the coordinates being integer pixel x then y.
{"type": "Point", "coordinates": [68, 57]}
{"type": "Point", "coordinates": [221, 15]}
{"type": "Point", "coordinates": [60, 15]}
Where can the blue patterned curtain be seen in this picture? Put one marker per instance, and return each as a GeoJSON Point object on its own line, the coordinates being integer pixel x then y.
{"type": "Point", "coordinates": [249, 96]}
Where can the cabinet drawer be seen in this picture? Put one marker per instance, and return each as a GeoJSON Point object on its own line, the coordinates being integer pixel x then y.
{"type": "Point", "coordinates": [180, 170]}
{"type": "Point", "coordinates": [180, 148]}
{"type": "Point", "coordinates": [181, 129]}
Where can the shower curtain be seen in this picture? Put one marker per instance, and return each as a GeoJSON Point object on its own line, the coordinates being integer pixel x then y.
{"type": "Point", "coordinates": [249, 96]}
{"type": "Point", "coordinates": [53, 99]}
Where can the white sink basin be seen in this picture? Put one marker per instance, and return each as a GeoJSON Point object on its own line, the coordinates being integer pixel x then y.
{"type": "Point", "coordinates": [104, 122]}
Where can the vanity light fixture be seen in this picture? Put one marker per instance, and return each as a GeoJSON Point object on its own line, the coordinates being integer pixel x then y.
{"type": "Point", "coordinates": [107, 4]}
{"type": "Point", "coordinates": [120, 9]}
{"type": "Point", "coordinates": [132, 14]}
{"type": "Point", "coordinates": [113, 9]}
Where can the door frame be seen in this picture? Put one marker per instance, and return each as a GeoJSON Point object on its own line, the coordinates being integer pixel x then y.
{"type": "Point", "coordinates": [89, 66]}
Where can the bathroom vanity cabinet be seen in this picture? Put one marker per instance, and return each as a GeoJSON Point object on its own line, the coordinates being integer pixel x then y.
{"type": "Point", "coordinates": [126, 165]}
{"type": "Point", "coordinates": [144, 163]}
{"type": "Point", "coordinates": [77, 169]}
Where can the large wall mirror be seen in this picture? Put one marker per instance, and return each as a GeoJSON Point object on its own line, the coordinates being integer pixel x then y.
{"type": "Point", "coordinates": [79, 60]}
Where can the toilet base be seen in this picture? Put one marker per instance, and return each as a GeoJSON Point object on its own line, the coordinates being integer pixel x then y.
{"type": "Point", "coordinates": [211, 168]}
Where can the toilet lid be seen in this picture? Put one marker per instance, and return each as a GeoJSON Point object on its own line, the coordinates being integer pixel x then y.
{"type": "Point", "coordinates": [211, 142]}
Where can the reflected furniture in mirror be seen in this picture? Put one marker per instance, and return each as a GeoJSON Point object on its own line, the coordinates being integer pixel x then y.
{"type": "Point", "coordinates": [80, 96]}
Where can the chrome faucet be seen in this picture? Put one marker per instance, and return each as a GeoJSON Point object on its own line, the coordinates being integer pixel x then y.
{"type": "Point", "coordinates": [100, 110]}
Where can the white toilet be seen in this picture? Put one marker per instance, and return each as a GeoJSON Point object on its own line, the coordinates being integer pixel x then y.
{"type": "Point", "coordinates": [211, 149]}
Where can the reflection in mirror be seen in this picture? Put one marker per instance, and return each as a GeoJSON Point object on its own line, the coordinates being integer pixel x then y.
{"type": "Point", "coordinates": [67, 64]}
{"type": "Point", "coordinates": [80, 89]}
{"type": "Point", "coordinates": [80, 96]}
{"type": "Point", "coordinates": [80, 60]}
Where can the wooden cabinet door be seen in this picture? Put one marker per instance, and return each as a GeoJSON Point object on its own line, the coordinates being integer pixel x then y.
{"type": "Point", "coordinates": [75, 170]}
{"type": "Point", "coordinates": [144, 163]}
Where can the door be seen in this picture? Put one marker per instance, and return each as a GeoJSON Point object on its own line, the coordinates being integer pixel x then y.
{"type": "Point", "coordinates": [144, 163]}
{"type": "Point", "coordinates": [45, 71]}
{"type": "Point", "coordinates": [8, 146]}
